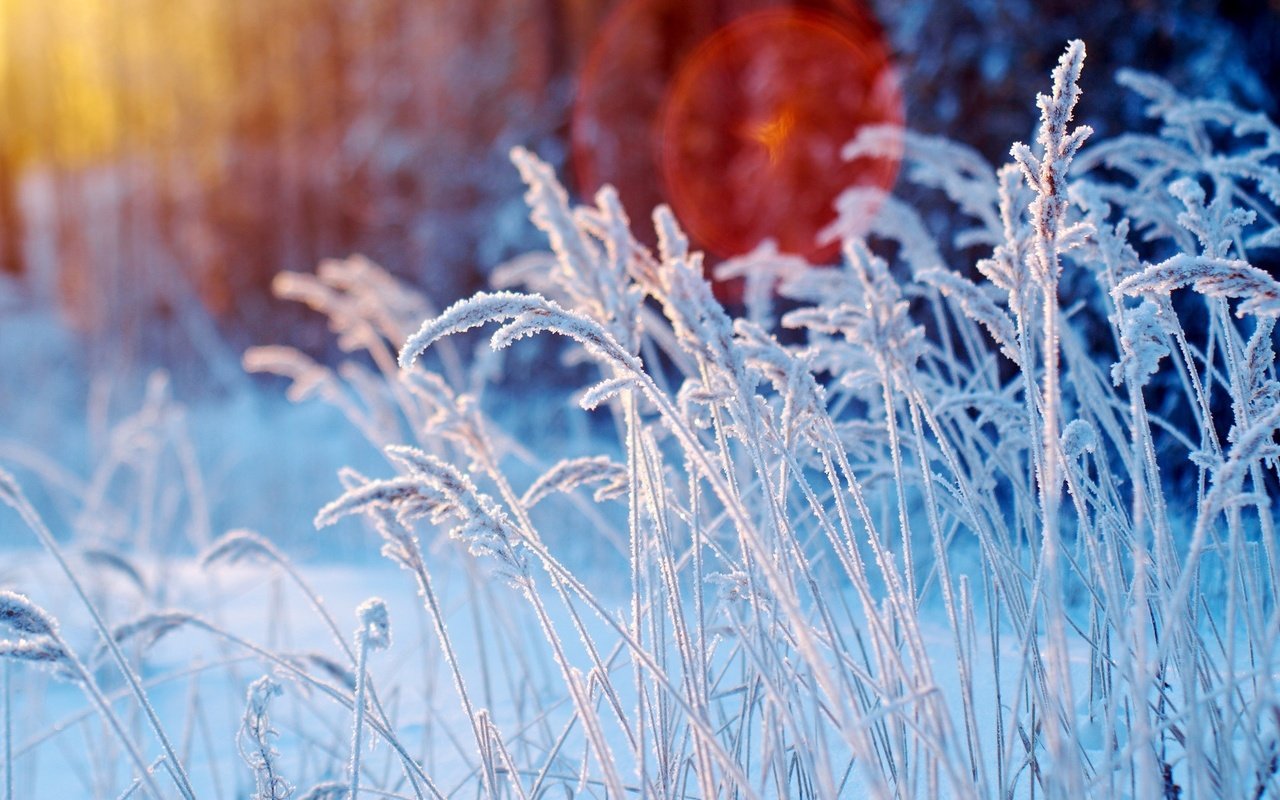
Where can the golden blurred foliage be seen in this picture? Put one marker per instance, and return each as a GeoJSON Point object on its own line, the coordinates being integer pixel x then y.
{"type": "Point", "coordinates": [85, 80]}
{"type": "Point", "coordinates": [151, 148]}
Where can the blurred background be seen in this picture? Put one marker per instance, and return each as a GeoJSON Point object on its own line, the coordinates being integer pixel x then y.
{"type": "Point", "coordinates": [160, 160]}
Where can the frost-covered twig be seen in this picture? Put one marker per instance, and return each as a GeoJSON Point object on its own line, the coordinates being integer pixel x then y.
{"type": "Point", "coordinates": [255, 744]}
{"type": "Point", "coordinates": [374, 633]}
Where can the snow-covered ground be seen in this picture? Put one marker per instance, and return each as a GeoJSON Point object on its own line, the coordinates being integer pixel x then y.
{"type": "Point", "coordinates": [198, 680]}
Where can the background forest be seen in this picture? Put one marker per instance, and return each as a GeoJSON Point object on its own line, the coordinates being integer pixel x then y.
{"type": "Point", "coordinates": [160, 161]}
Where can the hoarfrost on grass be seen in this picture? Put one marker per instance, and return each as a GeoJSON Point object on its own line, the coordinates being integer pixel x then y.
{"type": "Point", "coordinates": [991, 529]}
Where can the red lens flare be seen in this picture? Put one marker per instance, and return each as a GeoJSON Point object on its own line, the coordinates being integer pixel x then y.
{"type": "Point", "coordinates": [753, 128]}
{"type": "Point", "coordinates": [735, 114]}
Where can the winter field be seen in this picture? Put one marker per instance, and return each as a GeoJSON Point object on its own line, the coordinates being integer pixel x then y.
{"type": "Point", "coordinates": [989, 517]}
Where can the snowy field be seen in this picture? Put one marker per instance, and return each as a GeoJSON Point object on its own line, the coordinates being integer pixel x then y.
{"type": "Point", "coordinates": [186, 669]}
{"type": "Point", "coordinates": [899, 530]}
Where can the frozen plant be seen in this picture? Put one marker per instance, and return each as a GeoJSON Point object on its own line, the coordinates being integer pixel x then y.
{"type": "Point", "coordinates": [374, 633]}
{"type": "Point", "coordinates": [796, 515]}
{"type": "Point", "coordinates": [990, 529]}
{"type": "Point", "coordinates": [255, 738]}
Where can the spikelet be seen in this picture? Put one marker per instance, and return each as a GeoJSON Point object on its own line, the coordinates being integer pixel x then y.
{"type": "Point", "coordinates": [1255, 442]}
{"type": "Point", "coordinates": [1005, 268]}
{"type": "Point", "coordinates": [761, 270]}
{"type": "Point", "coordinates": [145, 631]}
{"type": "Point", "coordinates": [239, 545]}
{"type": "Point", "coordinates": [1261, 390]}
{"type": "Point", "coordinates": [594, 248]}
{"type": "Point", "coordinates": [348, 317]}
{"type": "Point", "coordinates": [409, 496]}
{"type": "Point", "coordinates": [864, 210]}
{"type": "Point", "coordinates": [377, 297]}
{"type": "Point", "coordinates": [789, 372]}
{"type": "Point", "coordinates": [440, 491]}
{"type": "Point", "coordinates": [1078, 438]}
{"type": "Point", "coordinates": [375, 624]}
{"type": "Point", "coordinates": [938, 163]}
{"type": "Point", "coordinates": [1186, 120]}
{"type": "Point", "coordinates": [549, 206]}
{"type": "Point", "coordinates": [604, 391]}
{"type": "Point", "coordinates": [39, 642]}
{"type": "Point", "coordinates": [255, 743]}
{"type": "Point", "coordinates": [977, 306]}
{"type": "Point", "coordinates": [119, 564]}
{"type": "Point", "coordinates": [20, 614]}
{"type": "Point", "coordinates": [1047, 172]}
{"type": "Point", "coordinates": [343, 675]}
{"type": "Point", "coordinates": [571, 473]}
{"type": "Point", "coordinates": [1143, 342]}
{"type": "Point", "coordinates": [699, 324]}
{"type": "Point", "coordinates": [398, 542]}
{"type": "Point", "coordinates": [309, 379]}
{"type": "Point", "coordinates": [879, 324]}
{"type": "Point", "coordinates": [522, 316]}
{"type": "Point", "coordinates": [40, 650]}
{"type": "Point", "coordinates": [1210, 276]}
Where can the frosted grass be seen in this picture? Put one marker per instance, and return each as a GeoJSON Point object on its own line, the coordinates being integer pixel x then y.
{"type": "Point", "coordinates": [1001, 529]}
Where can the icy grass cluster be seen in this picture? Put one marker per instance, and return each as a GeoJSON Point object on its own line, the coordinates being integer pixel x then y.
{"type": "Point", "coordinates": [1003, 538]}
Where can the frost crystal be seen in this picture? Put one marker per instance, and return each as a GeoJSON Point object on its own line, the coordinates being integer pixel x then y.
{"type": "Point", "coordinates": [1078, 438]}
{"type": "Point", "coordinates": [1143, 344]}
{"type": "Point", "coordinates": [375, 623]}
{"type": "Point", "coordinates": [255, 743]}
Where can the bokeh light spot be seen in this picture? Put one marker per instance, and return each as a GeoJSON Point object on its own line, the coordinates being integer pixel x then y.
{"type": "Point", "coordinates": [735, 114]}
{"type": "Point", "coordinates": [801, 85]}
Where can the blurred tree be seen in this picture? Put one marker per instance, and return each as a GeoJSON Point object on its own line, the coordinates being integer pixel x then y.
{"type": "Point", "coordinates": [212, 143]}
{"type": "Point", "coordinates": [154, 151]}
